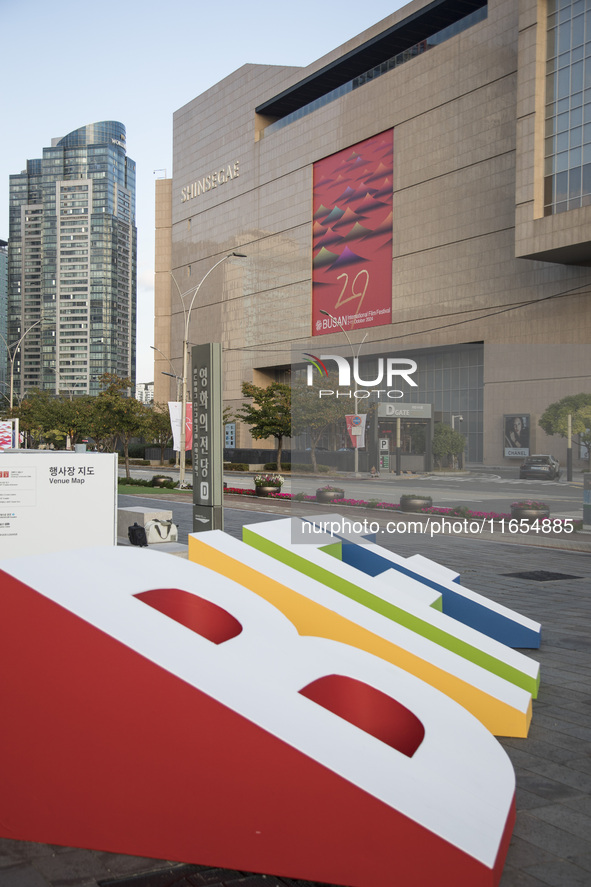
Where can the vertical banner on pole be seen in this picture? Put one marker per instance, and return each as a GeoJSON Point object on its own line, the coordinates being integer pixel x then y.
{"type": "Point", "coordinates": [208, 454]}
{"type": "Point", "coordinates": [356, 429]}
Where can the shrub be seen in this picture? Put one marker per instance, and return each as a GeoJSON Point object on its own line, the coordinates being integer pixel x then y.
{"type": "Point", "coordinates": [272, 466]}
{"type": "Point", "coordinates": [162, 480]}
{"type": "Point", "coordinates": [134, 482]}
{"type": "Point", "coordinates": [321, 469]}
{"type": "Point", "coordinates": [235, 466]}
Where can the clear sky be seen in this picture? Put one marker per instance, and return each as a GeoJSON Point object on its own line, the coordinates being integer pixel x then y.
{"type": "Point", "coordinates": [66, 64]}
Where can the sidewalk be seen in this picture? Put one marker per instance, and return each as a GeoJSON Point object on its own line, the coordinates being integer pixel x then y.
{"type": "Point", "coordinates": [180, 503]}
{"type": "Point", "coordinates": [551, 844]}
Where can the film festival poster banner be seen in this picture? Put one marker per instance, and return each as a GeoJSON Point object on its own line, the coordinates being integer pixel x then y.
{"type": "Point", "coordinates": [352, 237]}
{"type": "Point", "coordinates": [174, 409]}
{"type": "Point", "coordinates": [7, 435]}
{"type": "Point", "coordinates": [356, 429]}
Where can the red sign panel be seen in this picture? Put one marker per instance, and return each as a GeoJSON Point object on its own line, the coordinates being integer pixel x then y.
{"type": "Point", "coordinates": [356, 429]}
{"type": "Point", "coordinates": [352, 237]}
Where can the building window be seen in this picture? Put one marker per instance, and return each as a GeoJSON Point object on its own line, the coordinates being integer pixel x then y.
{"type": "Point", "coordinates": [567, 172]}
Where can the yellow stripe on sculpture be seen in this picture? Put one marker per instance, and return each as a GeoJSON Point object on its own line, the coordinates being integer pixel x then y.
{"type": "Point", "coordinates": [503, 708]}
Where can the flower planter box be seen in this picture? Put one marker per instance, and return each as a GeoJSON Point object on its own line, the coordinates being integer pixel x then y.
{"type": "Point", "coordinates": [529, 514]}
{"type": "Point", "coordinates": [328, 496]}
{"type": "Point", "coordinates": [267, 491]}
{"type": "Point", "coordinates": [416, 503]}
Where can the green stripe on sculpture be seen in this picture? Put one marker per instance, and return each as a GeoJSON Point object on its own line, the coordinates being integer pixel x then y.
{"type": "Point", "coordinates": [411, 621]}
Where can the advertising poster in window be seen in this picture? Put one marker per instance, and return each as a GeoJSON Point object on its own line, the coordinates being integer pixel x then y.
{"type": "Point", "coordinates": [516, 435]}
{"type": "Point", "coordinates": [352, 237]}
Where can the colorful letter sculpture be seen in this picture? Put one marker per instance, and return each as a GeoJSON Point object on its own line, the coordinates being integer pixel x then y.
{"type": "Point", "coordinates": [466, 606]}
{"type": "Point", "coordinates": [318, 610]}
{"type": "Point", "coordinates": [392, 595]}
{"type": "Point", "coordinates": [153, 706]}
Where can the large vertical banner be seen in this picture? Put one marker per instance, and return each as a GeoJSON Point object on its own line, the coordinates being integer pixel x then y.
{"type": "Point", "coordinates": [9, 434]}
{"type": "Point", "coordinates": [174, 410]}
{"type": "Point", "coordinates": [352, 237]}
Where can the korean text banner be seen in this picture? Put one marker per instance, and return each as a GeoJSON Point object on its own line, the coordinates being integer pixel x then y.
{"type": "Point", "coordinates": [174, 408]}
{"type": "Point", "coordinates": [352, 237]}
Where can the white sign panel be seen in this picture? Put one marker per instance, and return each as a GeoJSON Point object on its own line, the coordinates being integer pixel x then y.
{"type": "Point", "coordinates": [405, 410]}
{"type": "Point", "coordinates": [54, 500]}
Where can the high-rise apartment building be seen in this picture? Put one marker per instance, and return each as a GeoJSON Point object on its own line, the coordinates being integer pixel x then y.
{"type": "Point", "coordinates": [3, 314]}
{"type": "Point", "coordinates": [72, 263]}
{"type": "Point", "coordinates": [144, 392]}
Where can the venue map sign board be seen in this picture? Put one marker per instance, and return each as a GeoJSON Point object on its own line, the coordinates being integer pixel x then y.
{"type": "Point", "coordinates": [55, 500]}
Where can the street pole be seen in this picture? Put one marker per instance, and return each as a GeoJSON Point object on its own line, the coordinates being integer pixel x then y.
{"type": "Point", "coordinates": [453, 428]}
{"type": "Point", "coordinates": [355, 357]}
{"type": "Point", "coordinates": [12, 358]}
{"type": "Point", "coordinates": [187, 315]}
{"type": "Point", "coordinates": [569, 450]}
{"type": "Point", "coordinates": [173, 375]}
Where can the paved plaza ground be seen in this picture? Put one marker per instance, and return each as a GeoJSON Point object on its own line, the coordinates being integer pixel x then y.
{"type": "Point", "coordinates": [551, 844]}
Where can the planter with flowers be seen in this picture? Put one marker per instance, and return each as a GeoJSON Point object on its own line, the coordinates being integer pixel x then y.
{"type": "Point", "coordinates": [267, 484]}
{"type": "Point", "coordinates": [415, 502]}
{"type": "Point", "coordinates": [329, 494]}
{"type": "Point", "coordinates": [527, 509]}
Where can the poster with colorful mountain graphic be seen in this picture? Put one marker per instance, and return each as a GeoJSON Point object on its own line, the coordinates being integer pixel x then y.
{"type": "Point", "coordinates": [352, 237]}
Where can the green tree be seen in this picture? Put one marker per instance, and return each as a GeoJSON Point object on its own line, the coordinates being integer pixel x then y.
{"type": "Point", "coordinates": [75, 415]}
{"type": "Point", "coordinates": [269, 413]}
{"type": "Point", "coordinates": [52, 419]}
{"type": "Point", "coordinates": [313, 413]}
{"type": "Point", "coordinates": [159, 429]}
{"type": "Point", "coordinates": [117, 415]}
{"type": "Point", "coordinates": [554, 419]}
{"type": "Point", "coordinates": [36, 417]}
{"type": "Point", "coordinates": [447, 443]}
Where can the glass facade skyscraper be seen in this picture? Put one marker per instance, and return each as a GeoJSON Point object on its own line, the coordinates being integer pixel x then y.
{"type": "Point", "coordinates": [72, 263]}
{"type": "Point", "coordinates": [568, 106]}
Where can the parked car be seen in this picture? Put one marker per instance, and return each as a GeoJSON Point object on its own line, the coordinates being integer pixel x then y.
{"type": "Point", "coordinates": [540, 466]}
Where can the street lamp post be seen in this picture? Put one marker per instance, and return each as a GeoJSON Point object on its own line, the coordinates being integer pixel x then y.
{"type": "Point", "coordinates": [173, 375]}
{"type": "Point", "coordinates": [12, 357]}
{"type": "Point", "coordinates": [453, 428]}
{"type": "Point", "coordinates": [187, 315]}
{"type": "Point", "coordinates": [355, 357]}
